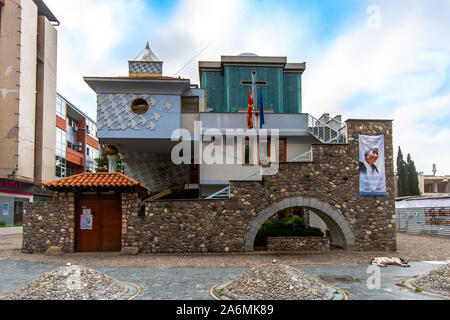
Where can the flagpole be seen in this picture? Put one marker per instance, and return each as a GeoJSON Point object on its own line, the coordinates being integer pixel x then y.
{"type": "Point", "coordinates": [255, 103]}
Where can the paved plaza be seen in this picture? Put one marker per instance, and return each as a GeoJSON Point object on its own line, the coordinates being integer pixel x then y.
{"type": "Point", "coordinates": [191, 276]}
{"type": "Point", "coordinates": [194, 283]}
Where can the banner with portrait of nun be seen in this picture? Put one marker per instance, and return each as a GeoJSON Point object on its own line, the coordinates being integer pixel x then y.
{"type": "Point", "coordinates": [372, 177]}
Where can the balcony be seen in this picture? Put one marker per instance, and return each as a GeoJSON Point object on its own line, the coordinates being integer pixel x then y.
{"type": "Point", "coordinates": [74, 157]}
{"type": "Point", "coordinates": [288, 124]}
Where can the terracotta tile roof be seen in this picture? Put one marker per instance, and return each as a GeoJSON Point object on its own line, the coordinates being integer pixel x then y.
{"type": "Point", "coordinates": [96, 181]}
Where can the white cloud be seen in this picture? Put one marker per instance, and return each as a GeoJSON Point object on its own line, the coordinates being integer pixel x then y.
{"type": "Point", "coordinates": [400, 72]}
{"type": "Point", "coordinates": [402, 67]}
{"type": "Point", "coordinates": [232, 26]}
{"type": "Point", "coordinates": [90, 34]}
{"type": "Point", "coordinates": [416, 132]}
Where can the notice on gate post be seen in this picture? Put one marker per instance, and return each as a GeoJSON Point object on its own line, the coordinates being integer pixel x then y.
{"type": "Point", "coordinates": [372, 177]}
{"type": "Point", "coordinates": [86, 220]}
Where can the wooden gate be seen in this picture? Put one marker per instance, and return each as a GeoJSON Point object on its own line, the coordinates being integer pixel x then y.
{"type": "Point", "coordinates": [98, 223]}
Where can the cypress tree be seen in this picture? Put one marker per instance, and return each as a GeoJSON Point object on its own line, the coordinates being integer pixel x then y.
{"type": "Point", "coordinates": [402, 175]}
{"type": "Point", "coordinates": [413, 181]}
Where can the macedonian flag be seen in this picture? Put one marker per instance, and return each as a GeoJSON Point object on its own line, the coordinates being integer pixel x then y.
{"type": "Point", "coordinates": [250, 111]}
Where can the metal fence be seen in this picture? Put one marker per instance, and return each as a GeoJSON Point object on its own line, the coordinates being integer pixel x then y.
{"type": "Point", "coordinates": [431, 221]}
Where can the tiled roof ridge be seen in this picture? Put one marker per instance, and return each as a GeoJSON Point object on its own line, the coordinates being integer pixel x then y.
{"type": "Point", "coordinates": [88, 179]}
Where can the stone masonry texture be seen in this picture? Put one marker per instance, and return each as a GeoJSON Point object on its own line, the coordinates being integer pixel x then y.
{"type": "Point", "coordinates": [331, 180]}
{"type": "Point", "coordinates": [47, 224]}
{"type": "Point", "coordinates": [222, 225]}
{"type": "Point", "coordinates": [298, 244]}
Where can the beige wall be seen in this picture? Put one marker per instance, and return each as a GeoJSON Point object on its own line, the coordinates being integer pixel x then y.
{"type": "Point", "coordinates": [27, 122]}
{"type": "Point", "coordinates": [227, 171]}
{"type": "Point", "coordinates": [27, 94]}
{"type": "Point", "coordinates": [9, 90]}
{"type": "Point", "coordinates": [187, 121]}
{"type": "Point", "coordinates": [46, 102]}
{"type": "Point", "coordinates": [298, 145]}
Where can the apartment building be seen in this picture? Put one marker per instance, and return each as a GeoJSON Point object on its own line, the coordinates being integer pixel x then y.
{"type": "Point", "coordinates": [28, 61]}
{"type": "Point", "coordinates": [76, 140]}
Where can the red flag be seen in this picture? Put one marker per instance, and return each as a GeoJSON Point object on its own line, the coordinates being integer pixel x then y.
{"type": "Point", "coordinates": [250, 111]}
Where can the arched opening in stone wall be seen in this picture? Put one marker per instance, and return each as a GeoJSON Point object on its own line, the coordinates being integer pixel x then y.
{"type": "Point", "coordinates": [329, 219]}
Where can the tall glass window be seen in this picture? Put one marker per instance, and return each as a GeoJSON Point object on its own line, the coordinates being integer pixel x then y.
{"type": "Point", "coordinates": [60, 151]}
{"type": "Point", "coordinates": [91, 129]}
{"type": "Point", "coordinates": [60, 107]}
{"type": "Point", "coordinates": [91, 155]}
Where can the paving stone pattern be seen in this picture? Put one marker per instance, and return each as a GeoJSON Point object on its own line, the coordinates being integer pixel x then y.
{"type": "Point", "coordinates": [194, 283]}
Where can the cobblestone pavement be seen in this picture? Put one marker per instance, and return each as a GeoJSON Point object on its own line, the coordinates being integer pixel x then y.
{"type": "Point", "coordinates": [194, 283]}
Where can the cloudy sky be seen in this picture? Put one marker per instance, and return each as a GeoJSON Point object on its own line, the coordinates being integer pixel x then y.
{"type": "Point", "coordinates": [364, 59]}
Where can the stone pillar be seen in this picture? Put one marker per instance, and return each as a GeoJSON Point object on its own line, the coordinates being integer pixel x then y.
{"type": "Point", "coordinates": [130, 208]}
{"type": "Point", "coordinates": [435, 187]}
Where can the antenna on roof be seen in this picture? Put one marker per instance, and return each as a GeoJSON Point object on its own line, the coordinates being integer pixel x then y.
{"type": "Point", "coordinates": [193, 58]}
{"type": "Point", "coordinates": [434, 169]}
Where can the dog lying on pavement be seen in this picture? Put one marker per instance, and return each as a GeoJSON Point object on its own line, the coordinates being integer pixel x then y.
{"type": "Point", "coordinates": [384, 261]}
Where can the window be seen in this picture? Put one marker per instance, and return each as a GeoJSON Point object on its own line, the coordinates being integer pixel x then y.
{"type": "Point", "coordinates": [60, 154]}
{"type": "Point", "coordinates": [282, 150]}
{"type": "Point", "coordinates": [70, 170]}
{"type": "Point", "coordinates": [189, 104]}
{"type": "Point", "coordinates": [91, 128]}
{"type": "Point", "coordinates": [91, 155]}
{"type": "Point", "coordinates": [247, 152]}
{"type": "Point", "coordinates": [139, 106]}
{"type": "Point", "coordinates": [60, 107]}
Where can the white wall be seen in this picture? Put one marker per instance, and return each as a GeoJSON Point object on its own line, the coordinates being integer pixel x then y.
{"type": "Point", "coordinates": [47, 90]}
{"type": "Point", "coordinates": [27, 95]}
{"type": "Point", "coordinates": [294, 147]}
{"type": "Point", "coordinates": [9, 81]}
{"type": "Point", "coordinates": [298, 145]}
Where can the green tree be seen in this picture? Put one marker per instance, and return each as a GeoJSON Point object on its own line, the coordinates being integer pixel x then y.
{"type": "Point", "coordinates": [413, 180]}
{"type": "Point", "coordinates": [402, 175]}
{"type": "Point", "coordinates": [102, 163]}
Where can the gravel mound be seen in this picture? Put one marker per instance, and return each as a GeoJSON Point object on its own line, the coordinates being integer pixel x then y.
{"type": "Point", "coordinates": [277, 282]}
{"type": "Point", "coordinates": [71, 283]}
{"type": "Point", "coordinates": [437, 280]}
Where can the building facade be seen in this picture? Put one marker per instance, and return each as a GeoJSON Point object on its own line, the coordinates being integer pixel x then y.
{"type": "Point", "coordinates": [173, 199]}
{"type": "Point", "coordinates": [432, 184]}
{"type": "Point", "coordinates": [169, 104]}
{"type": "Point", "coordinates": [28, 51]}
{"type": "Point", "coordinates": [76, 145]}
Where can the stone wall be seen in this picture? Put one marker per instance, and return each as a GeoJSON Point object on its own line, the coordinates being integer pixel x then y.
{"type": "Point", "coordinates": [130, 211]}
{"type": "Point", "coordinates": [332, 179]}
{"type": "Point", "coordinates": [298, 244]}
{"type": "Point", "coordinates": [47, 224]}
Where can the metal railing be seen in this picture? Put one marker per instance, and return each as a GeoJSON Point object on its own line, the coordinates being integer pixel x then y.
{"type": "Point", "coordinates": [340, 124]}
{"type": "Point", "coordinates": [221, 194]}
{"type": "Point", "coordinates": [319, 129]}
{"type": "Point", "coordinates": [323, 131]}
{"type": "Point", "coordinates": [304, 157]}
{"type": "Point", "coordinates": [173, 180]}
